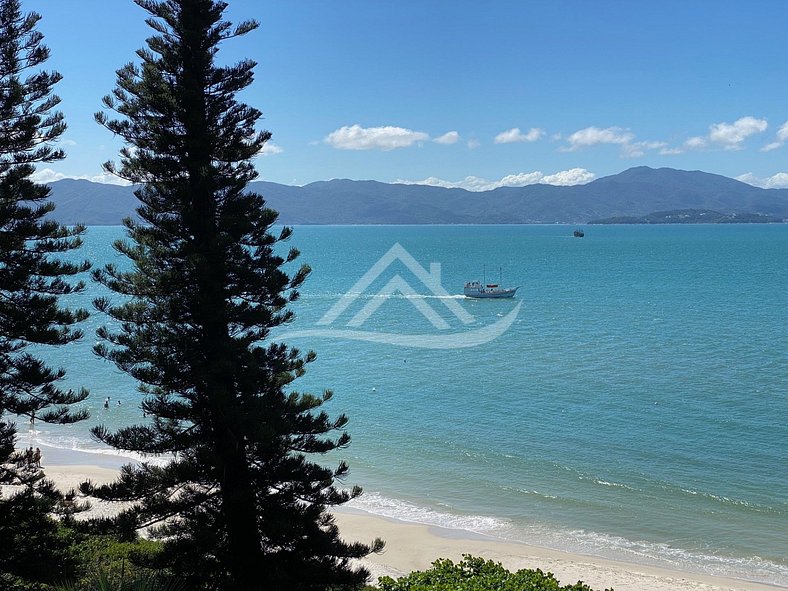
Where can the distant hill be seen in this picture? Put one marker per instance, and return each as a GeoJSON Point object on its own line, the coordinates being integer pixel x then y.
{"type": "Point", "coordinates": [95, 204]}
{"type": "Point", "coordinates": [633, 193]}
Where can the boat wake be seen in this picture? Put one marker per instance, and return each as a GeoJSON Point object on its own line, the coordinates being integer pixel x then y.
{"type": "Point", "coordinates": [455, 340]}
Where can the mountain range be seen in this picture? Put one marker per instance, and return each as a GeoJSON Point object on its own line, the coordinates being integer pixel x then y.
{"type": "Point", "coordinates": [636, 192]}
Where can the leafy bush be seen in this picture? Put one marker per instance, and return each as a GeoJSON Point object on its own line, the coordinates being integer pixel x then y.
{"type": "Point", "coordinates": [476, 574]}
{"type": "Point", "coordinates": [100, 580]}
{"type": "Point", "coordinates": [107, 564]}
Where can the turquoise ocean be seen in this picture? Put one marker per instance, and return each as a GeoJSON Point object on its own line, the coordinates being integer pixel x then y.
{"type": "Point", "coordinates": [633, 407]}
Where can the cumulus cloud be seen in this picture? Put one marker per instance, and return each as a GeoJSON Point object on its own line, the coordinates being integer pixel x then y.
{"type": "Point", "coordinates": [782, 133]}
{"type": "Point", "coordinates": [566, 178]}
{"type": "Point", "coordinates": [47, 175]}
{"type": "Point", "coordinates": [270, 149]}
{"type": "Point", "coordinates": [732, 135]}
{"type": "Point", "coordinates": [591, 136]}
{"type": "Point", "coordinates": [728, 136]}
{"type": "Point", "coordinates": [574, 176]}
{"type": "Point", "coordinates": [638, 149]}
{"type": "Point", "coordinates": [696, 143]}
{"type": "Point", "coordinates": [355, 137]}
{"type": "Point", "coordinates": [513, 135]}
{"type": "Point", "coordinates": [776, 181]}
{"type": "Point", "coordinates": [782, 137]}
{"type": "Point", "coordinates": [693, 143]}
{"type": "Point", "coordinates": [450, 137]}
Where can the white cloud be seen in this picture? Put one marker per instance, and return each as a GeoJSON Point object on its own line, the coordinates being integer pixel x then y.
{"type": "Point", "coordinates": [694, 143]}
{"type": "Point", "coordinates": [782, 133]}
{"type": "Point", "coordinates": [270, 149]}
{"type": "Point", "coordinates": [515, 135]}
{"type": "Point", "coordinates": [574, 176]}
{"type": "Point", "coordinates": [624, 138]}
{"type": "Point", "coordinates": [518, 180]}
{"type": "Point", "coordinates": [450, 137]}
{"type": "Point", "coordinates": [782, 137]}
{"type": "Point", "coordinates": [732, 135]}
{"type": "Point", "coordinates": [47, 175]}
{"type": "Point", "coordinates": [776, 181]}
{"type": "Point", "coordinates": [355, 137]}
{"type": "Point", "coordinates": [591, 136]}
{"type": "Point", "coordinates": [473, 143]}
{"type": "Point", "coordinates": [470, 183]}
{"type": "Point", "coordinates": [566, 178]}
{"type": "Point", "coordinates": [638, 149]}
{"type": "Point", "coordinates": [771, 146]}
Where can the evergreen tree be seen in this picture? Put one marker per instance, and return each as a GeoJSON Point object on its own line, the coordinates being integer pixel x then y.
{"type": "Point", "coordinates": [240, 506]}
{"type": "Point", "coordinates": [31, 282]}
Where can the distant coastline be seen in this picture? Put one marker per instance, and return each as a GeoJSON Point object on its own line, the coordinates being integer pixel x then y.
{"type": "Point", "coordinates": [692, 216]}
{"type": "Point", "coordinates": [627, 197]}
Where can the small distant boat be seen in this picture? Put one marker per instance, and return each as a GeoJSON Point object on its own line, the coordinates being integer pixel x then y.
{"type": "Point", "coordinates": [475, 289]}
{"type": "Point", "coordinates": [579, 233]}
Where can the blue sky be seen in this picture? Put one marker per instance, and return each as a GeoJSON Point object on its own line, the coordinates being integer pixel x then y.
{"type": "Point", "coordinates": [469, 93]}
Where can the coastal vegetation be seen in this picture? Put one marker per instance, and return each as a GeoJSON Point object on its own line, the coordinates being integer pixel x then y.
{"type": "Point", "coordinates": [476, 574]}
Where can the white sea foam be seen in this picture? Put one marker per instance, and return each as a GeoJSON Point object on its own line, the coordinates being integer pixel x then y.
{"type": "Point", "coordinates": [752, 568]}
{"type": "Point", "coordinates": [735, 502]}
{"type": "Point", "coordinates": [613, 484]}
{"type": "Point", "coordinates": [81, 446]}
{"type": "Point", "coordinates": [387, 507]}
{"type": "Point", "coordinates": [580, 541]}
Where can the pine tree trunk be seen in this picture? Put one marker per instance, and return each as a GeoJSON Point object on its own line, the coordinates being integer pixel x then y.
{"type": "Point", "coordinates": [244, 551]}
{"type": "Point", "coordinates": [238, 505]}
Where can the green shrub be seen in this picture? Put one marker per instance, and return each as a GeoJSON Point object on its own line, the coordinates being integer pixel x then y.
{"type": "Point", "coordinates": [100, 580]}
{"type": "Point", "coordinates": [476, 574]}
{"type": "Point", "coordinates": [106, 564]}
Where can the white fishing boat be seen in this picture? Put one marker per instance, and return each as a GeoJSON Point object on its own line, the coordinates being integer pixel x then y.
{"type": "Point", "coordinates": [476, 289]}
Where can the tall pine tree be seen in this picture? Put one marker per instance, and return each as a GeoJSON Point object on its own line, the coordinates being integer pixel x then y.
{"type": "Point", "coordinates": [31, 278]}
{"type": "Point", "coordinates": [31, 283]}
{"type": "Point", "coordinates": [240, 506]}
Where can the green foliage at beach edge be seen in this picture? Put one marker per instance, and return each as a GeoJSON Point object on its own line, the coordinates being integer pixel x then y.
{"type": "Point", "coordinates": [475, 574]}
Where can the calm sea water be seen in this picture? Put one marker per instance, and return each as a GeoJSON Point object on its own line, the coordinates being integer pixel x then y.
{"type": "Point", "coordinates": [635, 408]}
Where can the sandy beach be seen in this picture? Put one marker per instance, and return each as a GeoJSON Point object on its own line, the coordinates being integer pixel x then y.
{"type": "Point", "coordinates": [411, 546]}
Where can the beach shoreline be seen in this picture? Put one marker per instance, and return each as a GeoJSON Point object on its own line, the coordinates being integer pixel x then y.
{"type": "Point", "coordinates": [413, 546]}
